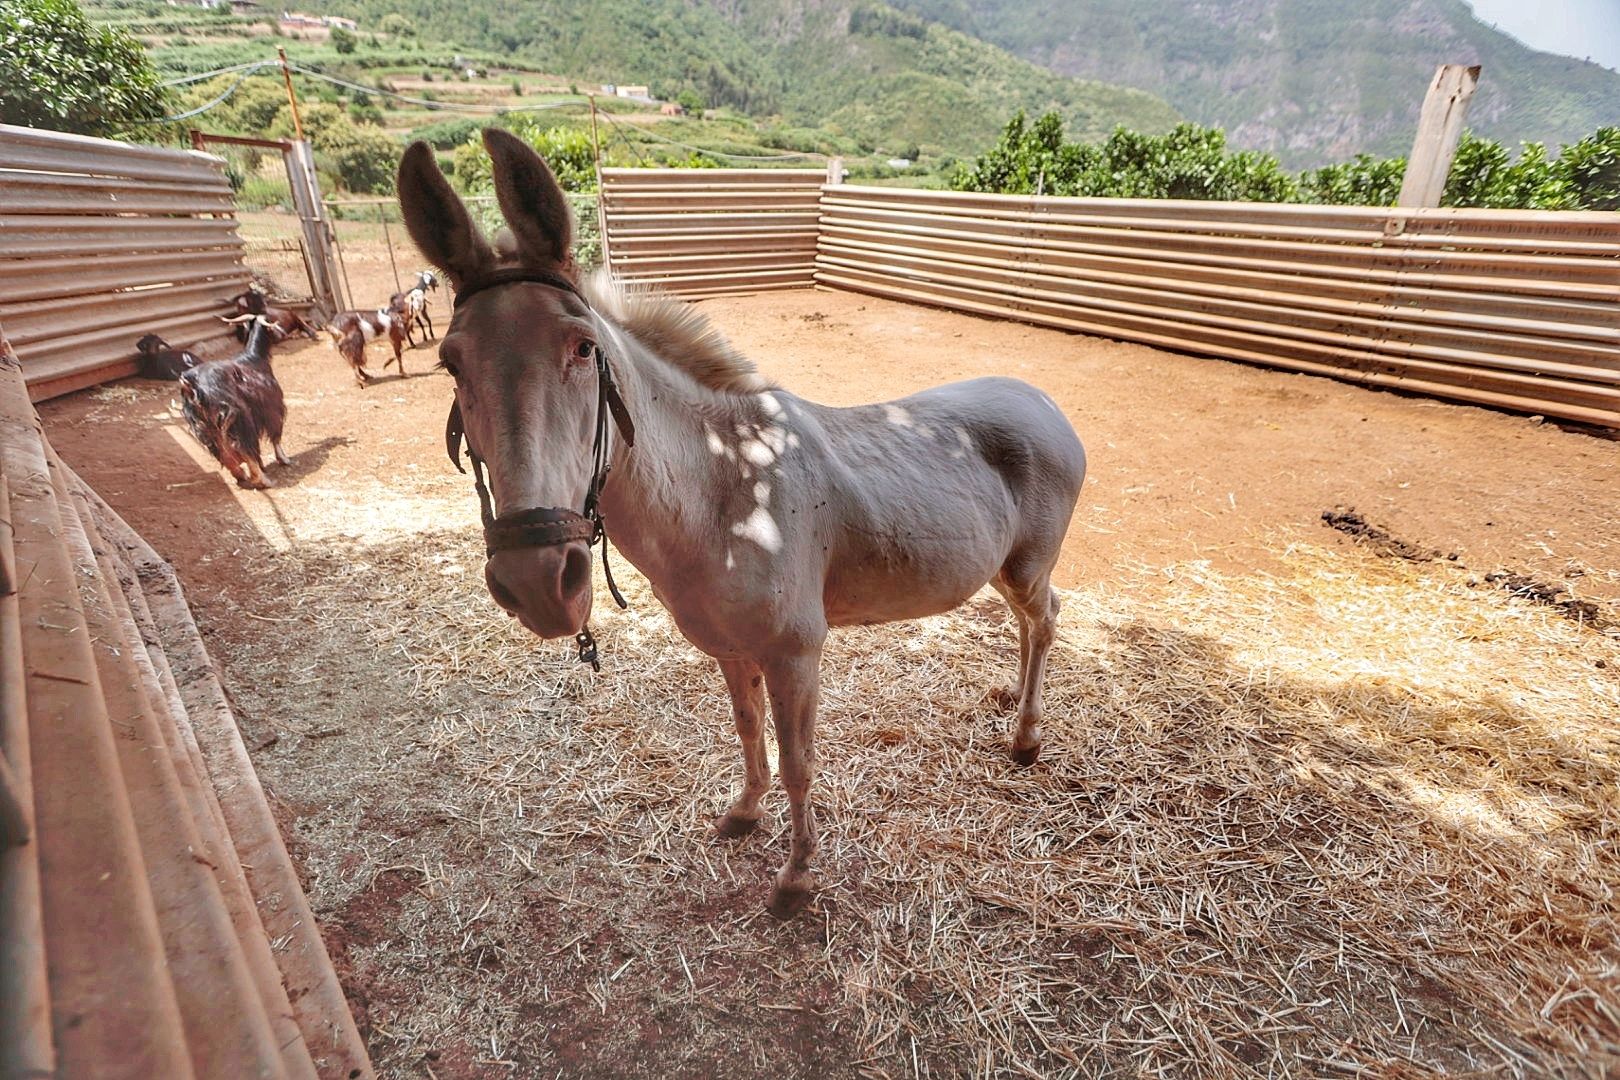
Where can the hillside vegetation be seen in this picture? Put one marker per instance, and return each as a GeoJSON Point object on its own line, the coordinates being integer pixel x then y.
{"type": "Point", "coordinates": [1313, 81]}
{"type": "Point", "coordinates": [863, 70]}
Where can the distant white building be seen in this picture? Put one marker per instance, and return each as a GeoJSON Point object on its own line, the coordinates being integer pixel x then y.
{"type": "Point", "coordinates": [638, 92]}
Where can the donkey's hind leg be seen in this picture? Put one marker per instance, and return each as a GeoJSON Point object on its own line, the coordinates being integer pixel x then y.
{"type": "Point", "coordinates": [1007, 697]}
{"type": "Point", "coordinates": [1032, 598]}
{"type": "Point", "coordinates": [744, 680]}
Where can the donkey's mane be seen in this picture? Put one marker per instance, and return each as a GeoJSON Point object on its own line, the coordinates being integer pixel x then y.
{"type": "Point", "coordinates": [677, 332]}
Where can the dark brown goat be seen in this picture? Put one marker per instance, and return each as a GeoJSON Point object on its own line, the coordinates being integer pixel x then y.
{"type": "Point", "coordinates": [352, 330]}
{"type": "Point", "coordinates": [253, 302]}
{"type": "Point", "coordinates": [231, 404]}
{"type": "Point", "coordinates": [160, 360]}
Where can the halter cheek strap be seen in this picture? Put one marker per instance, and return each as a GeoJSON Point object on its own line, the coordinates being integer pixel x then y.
{"type": "Point", "coordinates": [546, 526]}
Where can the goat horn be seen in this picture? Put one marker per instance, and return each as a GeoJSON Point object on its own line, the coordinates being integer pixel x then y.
{"type": "Point", "coordinates": [239, 318]}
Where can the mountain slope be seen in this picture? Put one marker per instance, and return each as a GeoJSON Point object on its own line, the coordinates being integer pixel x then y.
{"type": "Point", "coordinates": [1312, 80]}
{"type": "Point", "coordinates": [891, 80]}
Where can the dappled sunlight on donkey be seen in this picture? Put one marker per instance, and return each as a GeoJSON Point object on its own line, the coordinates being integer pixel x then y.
{"type": "Point", "coordinates": [760, 519]}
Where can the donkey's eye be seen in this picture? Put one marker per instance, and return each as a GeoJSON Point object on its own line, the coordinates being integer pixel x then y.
{"type": "Point", "coordinates": [585, 350]}
{"type": "Point", "coordinates": [449, 367]}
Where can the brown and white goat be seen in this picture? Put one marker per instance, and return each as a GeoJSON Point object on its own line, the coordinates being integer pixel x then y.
{"type": "Point", "coordinates": [412, 308]}
{"type": "Point", "coordinates": [352, 331]}
{"type": "Point", "coordinates": [231, 404]}
{"type": "Point", "coordinates": [253, 302]}
{"type": "Point", "coordinates": [413, 304]}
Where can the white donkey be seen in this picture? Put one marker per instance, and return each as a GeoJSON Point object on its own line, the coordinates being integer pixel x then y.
{"type": "Point", "coordinates": [760, 519]}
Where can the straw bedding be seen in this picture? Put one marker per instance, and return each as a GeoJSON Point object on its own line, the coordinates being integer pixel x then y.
{"type": "Point", "coordinates": [1355, 818]}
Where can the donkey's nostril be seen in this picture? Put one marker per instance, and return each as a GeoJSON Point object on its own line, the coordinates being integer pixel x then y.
{"type": "Point", "coordinates": [575, 575]}
{"type": "Point", "coordinates": [502, 595]}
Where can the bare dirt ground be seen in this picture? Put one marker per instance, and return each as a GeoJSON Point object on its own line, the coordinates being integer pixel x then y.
{"type": "Point", "coordinates": [1306, 808]}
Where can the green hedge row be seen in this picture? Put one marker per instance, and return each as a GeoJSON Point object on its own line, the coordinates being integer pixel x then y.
{"type": "Point", "coordinates": [1193, 162]}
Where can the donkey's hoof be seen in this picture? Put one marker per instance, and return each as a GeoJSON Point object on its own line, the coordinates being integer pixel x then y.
{"type": "Point", "coordinates": [734, 828]}
{"type": "Point", "coordinates": [1026, 755]}
{"type": "Point", "coordinates": [788, 900]}
{"type": "Point", "coordinates": [1001, 697]}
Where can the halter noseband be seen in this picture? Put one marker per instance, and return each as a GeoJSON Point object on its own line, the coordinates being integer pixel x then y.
{"type": "Point", "coordinates": [546, 526]}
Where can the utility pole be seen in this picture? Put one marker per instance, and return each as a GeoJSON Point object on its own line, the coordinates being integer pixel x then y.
{"type": "Point", "coordinates": [292, 98]}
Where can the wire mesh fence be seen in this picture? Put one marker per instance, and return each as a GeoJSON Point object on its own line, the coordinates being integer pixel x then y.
{"type": "Point", "coordinates": [377, 258]}
{"type": "Point", "coordinates": [272, 234]}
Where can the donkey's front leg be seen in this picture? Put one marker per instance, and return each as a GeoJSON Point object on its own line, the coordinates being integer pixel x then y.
{"type": "Point", "coordinates": [795, 685]}
{"type": "Point", "coordinates": [745, 681]}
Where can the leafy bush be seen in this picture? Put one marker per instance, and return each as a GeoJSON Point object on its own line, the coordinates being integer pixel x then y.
{"type": "Point", "coordinates": [1366, 181]}
{"type": "Point", "coordinates": [397, 25]}
{"type": "Point", "coordinates": [447, 134]}
{"type": "Point", "coordinates": [1188, 162]}
{"type": "Point", "coordinates": [363, 156]}
{"type": "Point", "coordinates": [1592, 168]}
{"type": "Point", "coordinates": [1192, 162]}
{"type": "Point", "coordinates": [360, 157]}
{"type": "Point", "coordinates": [342, 40]}
{"type": "Point", "coordinates": [58, 71]}
{"type": "Point", "coordinates": [259, 191]}
{"type": "Point", "coordinates": [566, 149]}
{"type": "Point", "coordinates": [366, 111]}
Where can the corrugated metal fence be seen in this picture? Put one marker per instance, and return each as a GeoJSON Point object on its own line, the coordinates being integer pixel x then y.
{"type": "Point", "coordinates": [101, 242]}
{"type": "Point", "coordinates": [1519, 309]}
{"type": "Point", "coordinates": [142, 877]}
{"type": "Point", "coordinates": [700, 232]}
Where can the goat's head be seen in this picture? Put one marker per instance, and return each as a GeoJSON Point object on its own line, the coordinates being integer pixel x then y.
{"type": "Point", "coordinates": [150, 344]}
{"type": "Point", "coordinates": [248, 302]}
{"type": "Point", "coordinates": [427, 280]}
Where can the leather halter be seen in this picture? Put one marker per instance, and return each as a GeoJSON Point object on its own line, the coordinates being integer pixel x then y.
{"type": "Point", "coordinates": [547, 526]}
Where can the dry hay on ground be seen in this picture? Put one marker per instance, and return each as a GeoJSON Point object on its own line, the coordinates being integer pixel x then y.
{"type": "Point", "coordinates": [1359, 819]}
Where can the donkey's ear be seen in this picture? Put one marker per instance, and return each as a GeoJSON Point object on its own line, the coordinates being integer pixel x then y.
{"type": "Point", "coordinates": [437, 219]}
{"type": "Point", "coordinates": [531, 201]}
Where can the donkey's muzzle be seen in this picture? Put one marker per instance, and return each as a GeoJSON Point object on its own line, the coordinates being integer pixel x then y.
{"type": "Point", "coordinates": [547, 588]}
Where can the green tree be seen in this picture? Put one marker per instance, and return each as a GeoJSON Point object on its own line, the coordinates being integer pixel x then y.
{"type": "Point", "coordinates": [1591, 168]}
{"type": "Point", "coordinates": [58, 71]}
{"type": "Point", "coordinates": [397, 25]}
{"type": "Point", "coordinates": [1365, 181]}
{"type": "Point", "coordinates": [1188, 162]}
{"type": "Point", "coordinates": [342, 40]}
{"type": "Point", "coordinates": [566, 149]}
{"type": "Point", "coordinates": [361, 157]}
{"type": "Point", "coordinates": [1484, 174]}
{"type": "Point", "coordinates": [691, 101]}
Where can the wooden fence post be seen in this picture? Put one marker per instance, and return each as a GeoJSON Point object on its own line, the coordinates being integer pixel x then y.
{"type": "Point", "coordinates": [1439, 128]}
{"type": "Point", "coordinates": [306, 194]}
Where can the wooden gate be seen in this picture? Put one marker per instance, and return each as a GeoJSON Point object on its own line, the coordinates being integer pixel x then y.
{"type": "Point", "coordinates": [317, 245]}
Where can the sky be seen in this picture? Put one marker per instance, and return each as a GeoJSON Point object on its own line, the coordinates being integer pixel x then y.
{"type": "Point", "coordinates": [1579, 28]}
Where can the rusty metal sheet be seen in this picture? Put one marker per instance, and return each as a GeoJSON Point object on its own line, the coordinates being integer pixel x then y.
{"type": "Point", "coordinates": [55, 151]}
{"type": "Point", "coordinates": [79, 275]}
